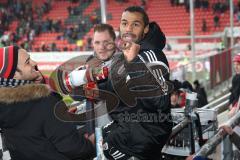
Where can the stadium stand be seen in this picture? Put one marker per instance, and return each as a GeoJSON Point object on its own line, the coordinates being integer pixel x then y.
{"type": "Point", "coordinates": [66, 25]}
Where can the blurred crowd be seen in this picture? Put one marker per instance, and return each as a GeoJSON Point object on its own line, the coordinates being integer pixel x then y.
{"type": "Point", "coordinates": [31, 22]}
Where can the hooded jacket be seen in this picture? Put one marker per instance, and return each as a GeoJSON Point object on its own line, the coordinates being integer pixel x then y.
{"type": "Point", "coordinates": [150, 52]}
{"type": "Point", "coordinates": [154, 39]}
{"type": "Point", "coordinates": [143, 139]}
{"type": "Point", "coordinates": [31, 130]}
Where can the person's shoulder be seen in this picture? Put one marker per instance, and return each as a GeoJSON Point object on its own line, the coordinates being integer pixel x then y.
{"type": "Point", "coordinates": [47, 94]}
{"type": "Point", "coordinates": [38, 96]}
{"type": "Point", "coordinates": [55, 95]}
{"type": "Point", "coordinates": [152, 55]}
{"type": "Point", "coordinates": [46, 105]}
{"type": "Point", "coordinates": [155, 38]}
{"type": "Point", "coordinates": [89, 58]}
{"type": "Point", "coordinates": [236, 77]}
{"type": "Point", "coordinates": [153, 51]}
{"type": "Point", "coordinates": [236, 80]}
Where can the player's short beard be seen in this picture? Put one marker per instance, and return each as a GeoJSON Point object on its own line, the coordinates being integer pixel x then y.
{"type": "Point", "coordinates": [36, 68]}
{"type": "Point", "coordinates": [140, 38]}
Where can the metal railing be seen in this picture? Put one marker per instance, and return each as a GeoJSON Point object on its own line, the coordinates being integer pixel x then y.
{"type": "Point", "coordinates": [216, 102]}
{"type": "Point", "coordinates": [219, 105]}
{"type": "Point", "coordinates": [212, 143]}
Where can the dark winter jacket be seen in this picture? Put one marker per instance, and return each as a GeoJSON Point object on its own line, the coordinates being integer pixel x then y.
{"type": "Point", "coordinates": [235, 89]}
{"type": "Point", "coordinates": [31, 130]}
{"type": "Point", "coordinates": [132, 134]}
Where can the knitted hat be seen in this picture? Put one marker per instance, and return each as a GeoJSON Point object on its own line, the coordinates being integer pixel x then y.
{"type": "Point", "coordinates": [236, 58]}
{"type": "Point", "coordinates": [8, 61]}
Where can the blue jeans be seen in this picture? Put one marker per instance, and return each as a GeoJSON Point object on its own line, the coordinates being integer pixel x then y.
{"type": "Point", "coordinates": [227, 149]}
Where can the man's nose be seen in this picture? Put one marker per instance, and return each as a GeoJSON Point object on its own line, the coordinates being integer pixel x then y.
{"type": "Point", "coordinates": [129, 28]}
{"type": "Point", "coordinates": [102, 46]}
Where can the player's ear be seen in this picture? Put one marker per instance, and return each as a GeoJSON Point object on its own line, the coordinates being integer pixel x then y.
{"type": "Point", "coordinates": [146, 29]}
